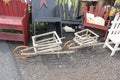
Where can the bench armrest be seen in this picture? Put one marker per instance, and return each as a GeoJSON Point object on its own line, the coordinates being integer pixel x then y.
{"type": "Point", "coordinates": [25, 15]}
{"type": "Point", "coordinates": [107, 23]}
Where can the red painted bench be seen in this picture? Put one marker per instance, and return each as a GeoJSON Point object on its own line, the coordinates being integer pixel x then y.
{"type": "Point", "coordinates": [14, 16]}
{"type": "Point", "coordinates": [103, 13]}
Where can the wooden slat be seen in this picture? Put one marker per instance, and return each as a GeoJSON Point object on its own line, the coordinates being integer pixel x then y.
{"type": "Point", "coordinates": [106, 14]}
{"type": "Point", "coordinates": [9, 20]}
{"type": "Point", "coordinates": [15, 11]}
{"type": "Point", "coordinates": [14, 8]}
{"type": "Point", "coordinates": [11, 36]}
{"type": "Point", "coordinates": [20, 9]}
{"type": "Point", "coordinates": [71, 12]}
{"type": "Point", "coordinates": [11, 17]}
{"type": "Point", "coordinates": [4, 8]}
{"type": "Point", "coordinates": [10, 9]}
{"type": "Point", "coordinates": [96, 10]}
{"type": "Point", "coordinates": [102, 12]}
{"type": "Point", "coordinates": [67, 17]}
{"type": "Point", "coordinates": [91, 9]}
{"type": "Point", "coordinates": [96, 26]}
{"type": "Point", "coordinates": [62, 11]}
{"type": "Point", "coordinates": [11, 27]}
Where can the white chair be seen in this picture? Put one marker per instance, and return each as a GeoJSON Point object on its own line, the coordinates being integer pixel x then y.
{"type": "Point", "coordinates": [113, 38]}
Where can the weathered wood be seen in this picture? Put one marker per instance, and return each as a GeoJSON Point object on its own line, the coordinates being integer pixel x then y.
{"type": "Point", "coordinates": [50, 36]}
{"type": "Point", "coordinates": [10, 36]}
{"type": "Point", "coordinates": [113, 36]}
{"type": "Point", "coordinates": [103, 13]}
{"type": "Point", "coordinates": [69, 16]}
{"type": "Point", "coordinates": [46, 13]}
{"type": "Point", "coordinates": [88, 45]}
{"type": "Point", "coordinates": [11, 20]}
{"type": "Point", "coordinates": [45, 47]}
{"type": "Point", "coordinates": [85, 37]}
{"type": "Point", "coordinates": [14, 16]}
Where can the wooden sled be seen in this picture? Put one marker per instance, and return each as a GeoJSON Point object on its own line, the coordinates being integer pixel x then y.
{"type": "Point", "coordinates": [82, 39]}
{"type": "Point", "coordinates": [47, 43]}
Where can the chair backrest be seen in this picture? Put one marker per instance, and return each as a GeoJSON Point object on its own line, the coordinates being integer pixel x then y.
{"type": "Point", "coordinates": [45, 10]}
{"type": "Point", "coordinates": [13, 8]}
{"type": "Point", "coordinates": [115, 27]}
{"type": "Point", "coordinates": [69, 13]}
{"type": "Point", "coordinates": [97, 11]}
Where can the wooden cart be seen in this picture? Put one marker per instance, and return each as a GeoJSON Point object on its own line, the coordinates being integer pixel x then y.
{"type": "Point", "coordinates": [47, 43]}
{"type": "Point", "coordinates": [50, 43]}
{"type": "Point", "coordinates": [82, 39]}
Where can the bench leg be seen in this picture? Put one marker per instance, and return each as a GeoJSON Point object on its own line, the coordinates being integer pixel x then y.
{"type": "Point", "coordinates": [26, 35]}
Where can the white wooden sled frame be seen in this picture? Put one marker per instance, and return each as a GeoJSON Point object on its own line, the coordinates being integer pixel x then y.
{"type": "Point", "coordinates": [84, 38]}
{"type": "Point", "coordinates": [47, 43]}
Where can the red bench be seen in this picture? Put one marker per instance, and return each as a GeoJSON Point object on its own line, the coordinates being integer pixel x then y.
{"type": "Point", "coordinates": [103, 13]}
{"type": "Point", "coordinates": [14, 16]}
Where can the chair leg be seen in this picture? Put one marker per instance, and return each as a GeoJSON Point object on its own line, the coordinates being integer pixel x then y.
{"type": "Point", "coordinates": [34, 29]}
{"type": "Point", "coordinates": [25, 39]}
{"type": "Point", "coordinates": [113, 53]}
{"type": "Point", "coordinates": [26, 36]}
{"type": "Point", "coordinates": [104, 46]}
{"type": "Point", "coordinates": [106, 41]}
{"type": "Point", "coordinates": [114, 49]}
{"type": "Point", "coordinates": [25, 43]}
{"type": "Point", "coordinates": [105, 35]}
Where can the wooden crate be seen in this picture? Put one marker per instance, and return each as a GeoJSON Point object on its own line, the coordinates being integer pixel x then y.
{"type": "Point", "coordinates": [85, 37]}
{"type": "Point", "coordinates": [47, 42]}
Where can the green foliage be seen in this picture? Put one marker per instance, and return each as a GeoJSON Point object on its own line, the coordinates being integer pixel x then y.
{"type": "Point", "coordinates": [39, 24]}
{"type": "Point", "coordinates": [10, 31]}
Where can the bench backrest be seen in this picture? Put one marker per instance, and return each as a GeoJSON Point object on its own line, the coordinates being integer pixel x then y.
{"type": "Point", "coordinates": [13, 8]}
{"type": "Point", "coordinates": [68, 14]}
{"type": "Point", "coordinates": [97, 11]}
{"type": "Point", "coordinates": [41, 11]}
{"type": "Point", "coordinates": [69, 9]}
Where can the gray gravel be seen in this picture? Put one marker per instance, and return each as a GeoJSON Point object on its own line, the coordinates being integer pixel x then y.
{"type": "Point", "coordinates": [84, 64]}
{"type": "Point", "coordinates": [8, 67]}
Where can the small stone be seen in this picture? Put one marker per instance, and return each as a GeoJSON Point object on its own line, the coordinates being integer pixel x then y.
{"type": "Point", "coordinates": [60, 66]}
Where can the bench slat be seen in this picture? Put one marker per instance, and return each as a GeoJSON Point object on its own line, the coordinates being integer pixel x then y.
{"type": "Point", "coordinates": [10, 20]}
{"type": "Point", "coordinates": [11, 36]}
{"type": "Point", "coordinates": [14, 16]}
{"type": "Point", "coordinates": [19, 28]}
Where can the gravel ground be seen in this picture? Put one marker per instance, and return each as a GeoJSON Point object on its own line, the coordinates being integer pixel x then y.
{"type": "Point", "coordinates": [8, 68]}
{"type": "Point", "coordinates": [84, 64]}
